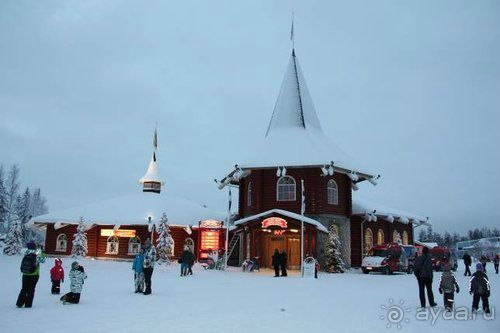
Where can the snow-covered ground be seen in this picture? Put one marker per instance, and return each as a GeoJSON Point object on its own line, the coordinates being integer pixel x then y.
{"type": "Point", "coordinates": [214, 301]}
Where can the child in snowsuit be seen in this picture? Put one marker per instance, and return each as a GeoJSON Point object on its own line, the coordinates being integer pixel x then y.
{"type": "Point", "coordinates": [138, 269]}
{"type": "Point", "coordinates": [77, 276]}
{"type": "Point", "coordinates": [57, 276]}
{"type": "Point", "coordinates": [447, 286]}
{"type": "Point", "coordinates": [479, 287]}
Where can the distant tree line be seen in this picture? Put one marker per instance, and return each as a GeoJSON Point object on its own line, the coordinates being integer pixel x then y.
{"type": "Point", "coordinates": [18, 206]}
{"type": "Point", "coordinates": [447, 239]}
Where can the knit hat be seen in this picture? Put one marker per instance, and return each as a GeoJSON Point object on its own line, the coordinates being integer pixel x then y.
{"type": "Point", "coordinates": [31, 245]}
{"type": "Point", "coordinates": [75, 265]}
{"type": "Point", "coordinates": [479, 267]}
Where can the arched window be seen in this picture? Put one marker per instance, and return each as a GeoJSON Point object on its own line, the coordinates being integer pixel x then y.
{"type": "Point", "coordinates": [285, 189]}
{"type": "Point", "coordinates": [112, 245]}
{"type": "Point", "coordinates": [134, 245]}
{"type": "Point", "coordinates": [189, 243]}
{"type": "Point", "coordinates": [405, 238]}
{"type": "Point", "coordinates": [380, 237]}
{"type": "Point", "coordinates": [368, 239]}
{"type": "Point", "coordinates": [249, 194]}
{"type": "Point", "coordinates": [62, 243]}
{"type": "Point", "coordinates": [332, 192]}
{"type": "Point", "coordinates": [336, 229]}
{"type": "Point", "coordinates": [396, 237]}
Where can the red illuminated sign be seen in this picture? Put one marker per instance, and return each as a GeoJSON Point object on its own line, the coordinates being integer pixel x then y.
{"type": "Point", "coordinates": [274, 222]}
{"type": "Point", "coordinates": [209, 240]}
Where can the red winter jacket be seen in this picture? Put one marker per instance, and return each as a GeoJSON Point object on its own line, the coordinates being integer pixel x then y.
{"type": "Point", "coordinates": [57, 272]}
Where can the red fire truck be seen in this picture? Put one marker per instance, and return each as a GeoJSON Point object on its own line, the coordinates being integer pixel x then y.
{"type": "Point", "coordinates": [386, 258]}
{"type": "Point", "coordinates": [442, 256]}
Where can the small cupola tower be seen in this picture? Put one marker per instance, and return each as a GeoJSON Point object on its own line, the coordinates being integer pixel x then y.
{"type": "Point", "coordinates": [151, 181]}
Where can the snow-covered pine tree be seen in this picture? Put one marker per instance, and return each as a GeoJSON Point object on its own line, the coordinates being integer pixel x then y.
{"type": "Point", "coordinates": [14, 239]}
{"type": "Point", "coordinates": [80, 240]}
{"type": "Point", "coordinates": [334, 261]}
{"type": "Point", "coordinates": [3, 203]}
{"type": "Point", "coordinates": [164, 242]}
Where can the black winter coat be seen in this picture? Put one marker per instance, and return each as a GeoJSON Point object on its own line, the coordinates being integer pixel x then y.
{"type": "Point", "coordinates": [467, 259]}
{"type": "Point", "coordinates": [423, 267]}
{"type": "Point", "coordinates": [479, 284]}
{"type": "Point", "coordinates": [276, 259]}
{"type": "Point", "coordinates": [283, 259]}
{"type": "Point", "coordinates": [187, 257]}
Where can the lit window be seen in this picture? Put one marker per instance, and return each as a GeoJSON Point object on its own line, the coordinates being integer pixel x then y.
{"type": "Point", "coordinates": [134, 245]}
{"type": "Point", "coordinates": [332, 192]}
{"type": "Point", "coordinates": [112, 245]}
{"type": "Point", "coordinates": [380, 237]}
{"type": "Point", "coordinates": [286, 189]}
{"type": "Point", "coordinates": [189, 243]}
{"type": "Point", "coordinates": [368, 240]}
{"type": "Point", "coordinates": [62, 243]}
{"type": "Point", "coordinates": [405, 238]}
{"type": "Point", "coordinates": [249, 194]}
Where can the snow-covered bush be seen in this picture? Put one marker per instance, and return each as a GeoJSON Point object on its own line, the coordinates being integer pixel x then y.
{"type": "Point", "coordinates": [80, 240]}
{"type": "Point", "coordinates": [164, 242]}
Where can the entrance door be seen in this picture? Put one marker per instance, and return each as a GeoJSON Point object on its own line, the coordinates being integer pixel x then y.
{"type": "Point", "coordinates": [293, 253]}
{"type": "Point", "coordinates": [274, 243]}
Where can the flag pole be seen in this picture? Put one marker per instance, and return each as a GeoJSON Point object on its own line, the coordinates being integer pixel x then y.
{"type": "Point", "coordinates": [302, 209]}
{"type": "Point", "coordinates": [228, 218]}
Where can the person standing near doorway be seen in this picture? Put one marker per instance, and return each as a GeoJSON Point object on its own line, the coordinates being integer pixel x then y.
{"type": "Point", "coordinates": [283, 262]}
{"type": "Point", "coordinates": [149, 264]}
{"type": "Point", "coordinates": [423, 273]}
{"type": "Point", "coordinates": [276, 262]}
{"type": "Point", "coordinates": [467, 262]}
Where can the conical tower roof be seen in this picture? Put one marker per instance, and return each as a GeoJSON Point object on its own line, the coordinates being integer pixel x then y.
{"type": "Point", "coordinates": [152, 174]}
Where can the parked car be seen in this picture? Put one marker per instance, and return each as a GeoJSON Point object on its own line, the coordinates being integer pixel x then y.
{"type": "Point", "coordinates": [411, 253]}
{"type": "Point", "coordinates": [386, 258]}
{"type": "Point", "coordinates": [442, 256]}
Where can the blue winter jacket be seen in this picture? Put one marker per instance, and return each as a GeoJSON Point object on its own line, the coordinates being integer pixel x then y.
{"type": "Point", "coordinates": [138, 262]}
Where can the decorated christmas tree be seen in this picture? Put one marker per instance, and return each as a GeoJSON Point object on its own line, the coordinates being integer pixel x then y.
{"type": "Point", "coordinates": [164, 242]}
{"type": "Point", "coordinates": [14, 240]}
{"type": "Point", "coordinates": [80, 240]}
{"type": "Point", "coordinates": [334, 261]}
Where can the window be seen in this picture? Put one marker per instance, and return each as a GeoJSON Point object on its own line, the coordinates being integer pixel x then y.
{"type": "Point", "coordinates": [285, 189]}
{"type": "Point", "coordinates": [405, 238]}
{"type": "Point", "coordinates": [134, 245]}
{"type": "Point", "coordinates": [332, 192]}
{"type": "Point", "coordinates": [112, 245]}
{"type": "Point", "coordinates": [396, 237]}
{"type": "Point", "coordinates": [62, 243]}
{"type": "Point", "coordinates": [368, 240]}
{"type": "Point", "coordinates": [249, 194]}
{"type": "Point", "coordinates": [380, 237]}
{"type": "Point", "coordinates": [189, 243]}
{"type": "Point", "coordinates": [336, 229]}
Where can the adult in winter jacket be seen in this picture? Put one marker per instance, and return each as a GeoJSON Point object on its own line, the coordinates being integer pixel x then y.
{"type": "Point", "coordinates": [30, 267]}
{"type": "Point", "coordinates": [76, 276]}
{"type": "Point", "coordinates": [276, 260]}
{"type": "Point", "coordinates": [496, 260]}
{"type": "Point", "coordinates": [467, 262]}
{"type": "Point", "coordinates": [283, 263]}
{"type": "Point", "coordinates": [186, 258]}
{"type": "Point", "coordinates": [479, 288]}
{"type": "Point", "coordinates": [148, 264]}
{"type": "Point", "coordinates": [423, 273]}
{"type": "Point", "coordinates": [447, 286]}
{"type": "Point", "coordinates": [56, 276]}
{"type": "Point", "coordinates": [484, 261]}
{"type": "Point", "coordinates": [137, 267]}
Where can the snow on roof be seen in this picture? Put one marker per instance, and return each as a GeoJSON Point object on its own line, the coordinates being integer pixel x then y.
{"type": "Point", "coordinates": [429, 245]}
{"type": "Point", "coordinates": [362, 207]}
{"type": "Point", "coordinates": [294, 136]}
{"type": "Point", "coordinates": [152, 174]}
{"type": "Point", "coordinates": [133, 209]}
{"type": "Point", "coordinates": [284, 213]}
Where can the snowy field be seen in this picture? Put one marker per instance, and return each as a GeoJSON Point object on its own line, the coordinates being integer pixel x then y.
{"type": "Point", "coordinates": [213, 301]}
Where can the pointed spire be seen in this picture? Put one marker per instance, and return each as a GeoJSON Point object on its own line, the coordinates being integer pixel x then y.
{"type": "Point", "coordinates": [294, 107]}
{"type": "Point", "coordinates": [151, 181]}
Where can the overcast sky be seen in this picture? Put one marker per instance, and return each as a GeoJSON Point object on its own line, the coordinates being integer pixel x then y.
{"type": "Point", "coordinates": [411, 89]}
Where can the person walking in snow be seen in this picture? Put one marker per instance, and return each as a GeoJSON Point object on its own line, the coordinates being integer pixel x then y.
{"type": "Point", "coordinates": [137, 267]}
{"type": "Point", "coordinates": [467, 262]}
{"type": "Point", "coordinates": [447, 286]}
{"type": "Point", "coordinates": [30, 267]}
{"type": "Point", "coordinates": [479, 288]}
{"type": "Point", "coordinates": [423, 273]}
{"type": "Point", "coordinates": [186, 258]}
{"type": "Point", "coordinates": [283, 263]}
{"type": "Point", "coordinates": [76, 276]}
{"type": "Point", "coordinates": [148, 264]}
{"type": "Point", "coordinates": [56, 276]}
{"type": "Point", "coordinates": [484, 261]}
{"type": "Point", "coordinates": [276, 260]}
{"type": "Point", "coordinates": [496, 260]}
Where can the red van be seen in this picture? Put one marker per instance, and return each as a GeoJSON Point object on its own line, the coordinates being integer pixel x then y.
{"type": "Point", "coordinates": [386, 258]}
{"type": "Point", "coordinates": [442, 256]}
